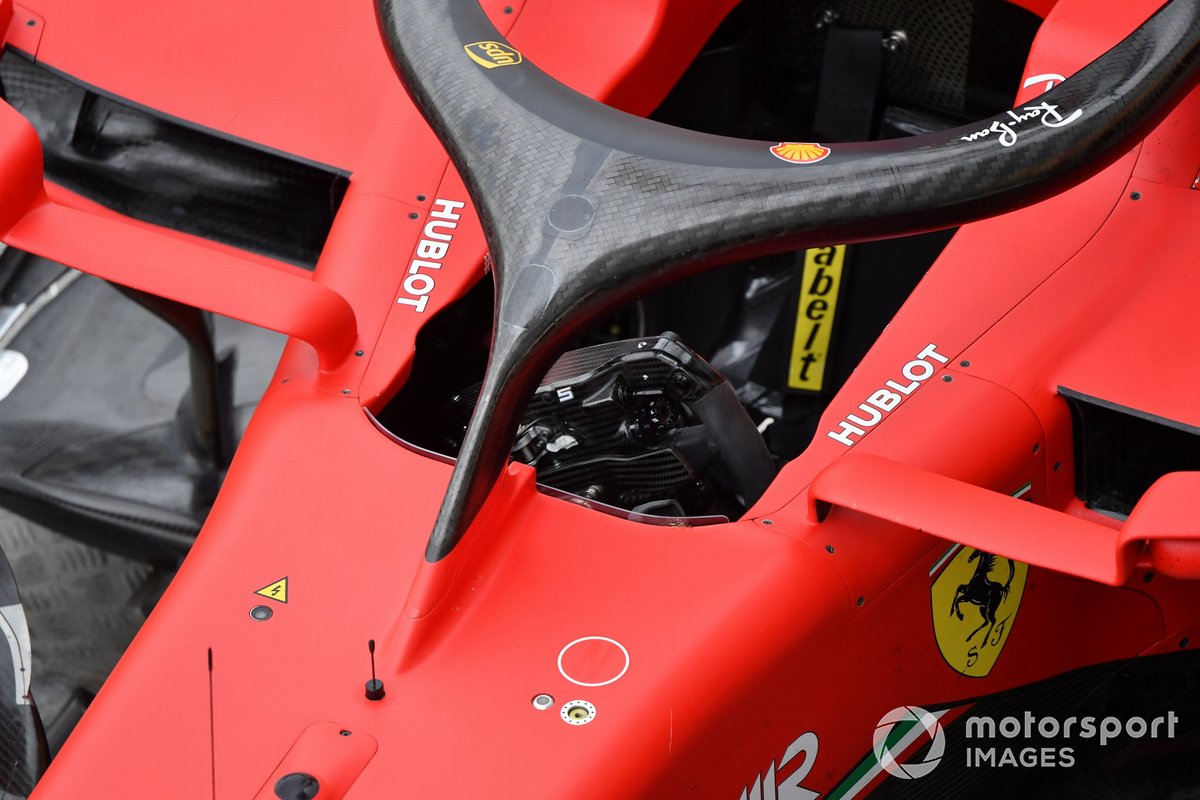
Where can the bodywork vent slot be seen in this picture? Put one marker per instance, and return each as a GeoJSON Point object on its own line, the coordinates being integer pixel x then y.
{"type": "Point", "coordinates": [168, 172]}
{"type": "Point", "coordinates": [1120, 451]}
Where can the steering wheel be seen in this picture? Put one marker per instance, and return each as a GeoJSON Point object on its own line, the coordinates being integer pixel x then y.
{"type": "Point", "coordinates": [585, 207]}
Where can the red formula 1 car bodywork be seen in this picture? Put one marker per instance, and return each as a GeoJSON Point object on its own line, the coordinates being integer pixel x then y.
{"type": "Point", "coordinates": [929, 548]}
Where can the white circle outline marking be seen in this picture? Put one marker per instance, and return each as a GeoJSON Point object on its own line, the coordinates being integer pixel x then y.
{"type": "Point", "coordinates": [619, 675]}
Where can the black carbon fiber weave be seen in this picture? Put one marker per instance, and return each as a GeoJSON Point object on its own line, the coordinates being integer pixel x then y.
{"type": "Point", "coordinates": [931, 70]}
{"type": "Point", "coordinates": [584, 207]}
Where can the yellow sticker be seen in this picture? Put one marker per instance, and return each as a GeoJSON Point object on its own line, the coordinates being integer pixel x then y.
{"type": "Point", "coordinates": [800, 152]}
{"type": "Point", "coordinates": [819, 289]}
{"type": "Point", "coordinates": [975, 601]}
{"type": "Point", "coordinates": [490, 55]}
{"type": "Point", "coordinates": [275, 591]}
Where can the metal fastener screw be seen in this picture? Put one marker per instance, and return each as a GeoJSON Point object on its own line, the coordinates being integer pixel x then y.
{"type": "Point", "coordinates": [1135, 195]}
{"type": "Point", "coordinates": [768, 522]}
{"type": "Point", "coordinates": [825, 19]}
{"type": "Point", "coordinates": [860, 601]}
{"type": "Point", "coordinates": [947, 378]}
{"type": "Point", "coordinates": [964, 363]}
{"type": "Point", "coordinates": [413, 215]}
{"type": "Point", "coordinates": [829, 548]}
{"type": "Point", "coordinates": [895, 41]}
{"type": "Point", "coordinates": [359, 353]}
{"type": "Point", "coordinates": [345, 391]}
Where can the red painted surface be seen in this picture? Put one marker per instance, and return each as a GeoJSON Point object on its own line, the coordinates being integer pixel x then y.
{"type": "Point", "coordinates": [740, 637]}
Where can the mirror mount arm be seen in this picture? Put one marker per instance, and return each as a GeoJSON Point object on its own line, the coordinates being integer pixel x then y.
{"type": "Point", "coordinates": [1163, 524]}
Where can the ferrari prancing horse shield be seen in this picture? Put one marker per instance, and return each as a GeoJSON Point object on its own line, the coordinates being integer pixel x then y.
{"type": "Point", "coordinates": [975, 601]}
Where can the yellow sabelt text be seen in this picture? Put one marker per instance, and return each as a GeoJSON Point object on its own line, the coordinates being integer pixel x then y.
{"type": "Point", "coordinates": [819, 289]}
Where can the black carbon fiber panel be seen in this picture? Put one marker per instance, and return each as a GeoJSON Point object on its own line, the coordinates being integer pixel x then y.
{"type": "Point", "coordinates": [585, 207]}
{"type": "Point", "coordinates": [83, 610]}
{"type": "Point", "coordinates": [930, 70]}
{"type": "Point", "coordinates": [637, 479]}
{"type": "Point", "coordinates": [90, 445]}
{"type": "Point", "coordinates": [579, 362]}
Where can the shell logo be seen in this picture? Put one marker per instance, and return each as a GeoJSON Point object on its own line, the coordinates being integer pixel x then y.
{"type": "Point", "coordinates": [800, 152]}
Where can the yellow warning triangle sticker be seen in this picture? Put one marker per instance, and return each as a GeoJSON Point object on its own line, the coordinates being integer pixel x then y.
{"type": "Point", "coordinates": [275, 591]}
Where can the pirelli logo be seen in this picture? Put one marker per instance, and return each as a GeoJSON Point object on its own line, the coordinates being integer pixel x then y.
{"type": "Point", "coordinates": [490, 55]}
{"type": "Point", "coordinates": [819, 288]}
